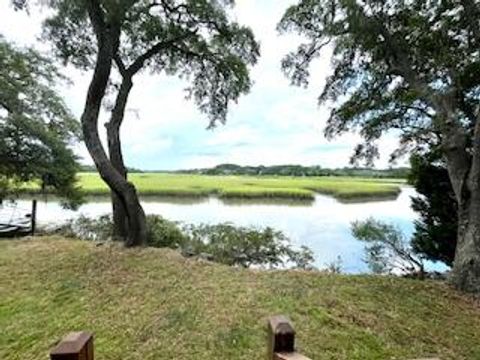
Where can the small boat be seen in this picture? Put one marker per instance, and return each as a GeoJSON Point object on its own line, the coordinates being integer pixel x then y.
{"type": "Point", "coordinates": [8, 230]}
{"type": "Point", "coordinates": [16, 222]}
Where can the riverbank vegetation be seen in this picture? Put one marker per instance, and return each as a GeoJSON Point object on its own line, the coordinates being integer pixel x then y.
{"type": "Point", "coordinates": [225, 243]}
{"type": "Point", "coordinates": [149, 303]}
{"type": "Point", "coordinates": [189, 185]}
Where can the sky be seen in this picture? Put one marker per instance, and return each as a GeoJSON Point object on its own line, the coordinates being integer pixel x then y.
{"type": "Point", "coordinates": [276, 123]}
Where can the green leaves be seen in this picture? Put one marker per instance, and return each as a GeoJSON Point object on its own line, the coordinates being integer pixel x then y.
{"type": "Point", "coordinates": [436, 230]}
{"type": "Point", "coordinates": [36, 128]}
{"type": "Point", "coordinates": [246, 246]}
{"type": "Point", "coordinates": [224, 243]}
{"type": "Point", "coordinates": [386, 248]}
{"type": "Point", "coordinates": [392, 62]}
{"type": "Point", "coordinates": [70, 31]}
{"type": "Point", "coordinates": [194, 39]}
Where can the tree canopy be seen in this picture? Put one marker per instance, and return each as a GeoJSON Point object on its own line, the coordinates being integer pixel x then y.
{"type": "Point", "coordinates": [393, 62]}
{"type": "Point", "coordinates": [36, 128]}
{"type": "Point", "coordinates": [410, 66]}
{"type": "Point", "coordinates": [193, 39]}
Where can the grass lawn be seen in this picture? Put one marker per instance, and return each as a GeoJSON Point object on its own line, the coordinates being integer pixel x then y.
{"type": "Point", "coordinates": [250, 187]}
{"type": "Point", "coordinates": [153, 304]}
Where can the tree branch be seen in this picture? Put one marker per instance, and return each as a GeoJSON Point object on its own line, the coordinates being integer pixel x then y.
{"type": "Point", "coordinates": [154, 50]}
{"type": "Point", "coordinates": [6, 107]}
{"type": "Point", "coordinates": [120, 103]}
{"type": "Point", "coordinates": [454, 135]}
{"type": "Point", "coordinates": [120, 65]}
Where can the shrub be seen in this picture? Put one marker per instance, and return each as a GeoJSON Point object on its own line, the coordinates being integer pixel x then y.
{"type": "Point", "coordinates": [85, 228]}
{"type": "Point", "coordinates": [387, 250]}
{"type": "Point", "coordinates": [223, 243]}
{"type": "Point", "coordinates": [162, 233]}
{"type": "Point", "coordinates": [246, 246]}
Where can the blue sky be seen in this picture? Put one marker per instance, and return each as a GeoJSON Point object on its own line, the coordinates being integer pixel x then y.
{"type": "Point", "coordinates": [275, 124]}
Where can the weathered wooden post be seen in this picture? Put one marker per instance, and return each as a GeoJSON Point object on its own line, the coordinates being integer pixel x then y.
{"type": "Point", "coordinates": [75, 346]}
{"type": "Point", "coordinates": [281, 340]}
{"type": "Point", "coordinates": [33, 217]}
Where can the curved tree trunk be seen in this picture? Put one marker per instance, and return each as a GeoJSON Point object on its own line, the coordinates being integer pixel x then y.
{"type": "Point", "coordinates": [108, 37]}
{"type": "Point", "coordinates": [120, 216]}
{"type": "Point", "coordinates": [124, 191]}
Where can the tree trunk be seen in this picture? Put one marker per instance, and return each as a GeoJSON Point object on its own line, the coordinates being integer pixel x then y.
{"type": "Point", "coordinates": [464, 172]}
{"type": "Point", "coordinates": [120, 217]}
{"type": "Point", "coordinates": [107, 37]}
{"type": "Point", "coordinates": [466, 268]}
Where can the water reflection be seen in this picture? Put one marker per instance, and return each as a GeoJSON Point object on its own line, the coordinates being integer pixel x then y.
{"type": "Point", "coordinates": [323, 225]}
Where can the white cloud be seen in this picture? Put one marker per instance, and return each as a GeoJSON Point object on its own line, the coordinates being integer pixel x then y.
{"type": "Point", "coordinates": [229, 135]}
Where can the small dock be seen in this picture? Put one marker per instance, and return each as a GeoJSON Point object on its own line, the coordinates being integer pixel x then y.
{"type": "Point", "coordinates": [16, 221]}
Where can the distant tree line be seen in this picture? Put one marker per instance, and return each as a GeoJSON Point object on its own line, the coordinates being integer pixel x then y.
{"type": "Point", "coordinates": [299, 170]}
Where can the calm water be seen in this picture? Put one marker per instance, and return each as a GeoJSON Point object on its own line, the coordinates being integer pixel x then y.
{"type": "Point", "coordinates": [323, 225]}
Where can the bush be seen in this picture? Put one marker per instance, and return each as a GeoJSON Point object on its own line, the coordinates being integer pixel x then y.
{"type": "Point", "coordinates": [85, 228]}
{"type": "Point", "coordinates": [162, 233]}
{"type": "Point", "coordinates": [223, 243]}
{"type": "Point", "coordinates": [387, 250]}
{"type": "Point", "coordinates": [246, 246]}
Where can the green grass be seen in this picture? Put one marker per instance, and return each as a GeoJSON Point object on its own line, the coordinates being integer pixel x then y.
{"type": "Point", "coordinates": [153, 304]}
{"type": "Point", "coordinates": [249, 187]}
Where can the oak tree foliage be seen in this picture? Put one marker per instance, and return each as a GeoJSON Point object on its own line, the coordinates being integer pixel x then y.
{"type": "Point", "coordinates": [392, 60]}
{"type": "Point", "coordinates": [193, 39]}
{"type": "Point", "coordinates": [36, 128]}
{"type": "Point", "coordinates": [408, 66]}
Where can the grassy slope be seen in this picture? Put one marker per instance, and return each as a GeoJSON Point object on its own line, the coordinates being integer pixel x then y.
{"type": "Point", "coordinates": [153, 304]}
{"type": "Point", "coordinates": [245, 186]}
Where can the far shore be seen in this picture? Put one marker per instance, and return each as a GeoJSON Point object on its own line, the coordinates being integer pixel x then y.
{"type": "Point", "coordinates": [247, 188]}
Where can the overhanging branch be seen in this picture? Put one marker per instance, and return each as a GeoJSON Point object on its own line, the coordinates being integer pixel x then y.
{"type": "Point", "coordinates": [138, 64]}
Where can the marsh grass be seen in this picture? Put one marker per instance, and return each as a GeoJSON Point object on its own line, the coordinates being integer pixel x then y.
{"type": "Point", "coordinates": [248, 187]}
{"type": "Point", "coordinates": [154, 304]}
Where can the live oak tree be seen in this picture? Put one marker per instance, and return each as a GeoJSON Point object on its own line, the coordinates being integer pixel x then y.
{"type": "Point", "coordinates": [411, 66]}
{"type": "Point", "coordinates": [36, 128]}
{"type": "Point", "coordinates": [194, 39]}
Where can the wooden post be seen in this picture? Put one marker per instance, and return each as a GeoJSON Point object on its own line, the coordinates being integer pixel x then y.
{"type": "Point", "coordinates": [75, 346]}
{"type": "Point", "coordinates": [33, 217]}
{"type": "Point", "coordinates": [281, 340]}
